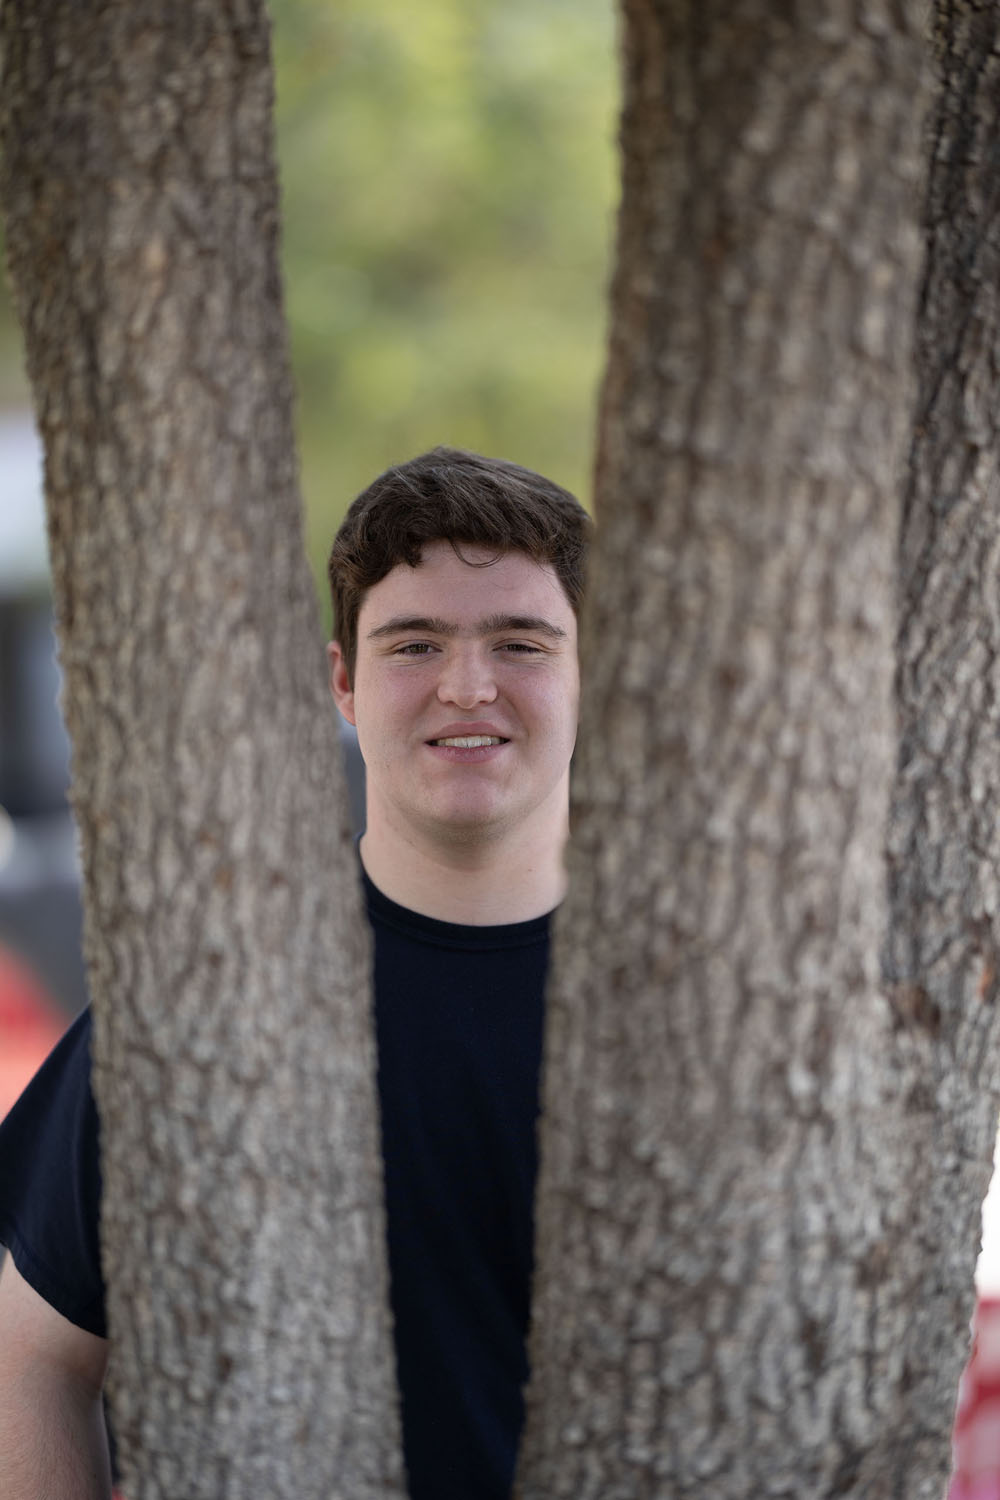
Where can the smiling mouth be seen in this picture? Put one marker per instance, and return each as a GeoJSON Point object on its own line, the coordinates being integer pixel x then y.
{"type": "Point", "coordinates": [470, 741]}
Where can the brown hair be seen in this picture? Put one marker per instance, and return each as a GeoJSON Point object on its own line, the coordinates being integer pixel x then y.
{"type": "Point", "coordinates": [449, 495]}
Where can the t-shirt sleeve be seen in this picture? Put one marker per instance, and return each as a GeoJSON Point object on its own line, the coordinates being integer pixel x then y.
{"type": "Point", "coordinates": [50, 1183]}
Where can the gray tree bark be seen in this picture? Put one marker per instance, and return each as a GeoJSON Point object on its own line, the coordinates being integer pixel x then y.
{"type": "Point", "coordinates": [944, 844]}
{"type": "Point", "coordinates": [228, 958]}
{"type": "Point", "coordinates": [725, 1262]}
{"type": "Point", "coordinates": [761, 1165]}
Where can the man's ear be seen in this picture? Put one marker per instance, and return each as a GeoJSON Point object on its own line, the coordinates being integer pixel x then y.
{"type": "Point", "coordinates": [340, 686]}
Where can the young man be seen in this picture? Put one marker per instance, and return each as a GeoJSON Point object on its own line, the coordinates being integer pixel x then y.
{"type": "Point", "coordinates": [456, 583]}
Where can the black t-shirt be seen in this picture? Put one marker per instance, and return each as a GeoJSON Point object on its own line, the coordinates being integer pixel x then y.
{"type": "Point", "coordinates": [459, 1024]}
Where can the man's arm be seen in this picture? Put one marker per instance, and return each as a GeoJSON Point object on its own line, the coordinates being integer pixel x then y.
{"type": "Point", "coordinates": [53, 1441]}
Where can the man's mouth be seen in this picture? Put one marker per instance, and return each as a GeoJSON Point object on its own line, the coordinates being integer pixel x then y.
{"type": "Point", "coordinates": [470, 741]}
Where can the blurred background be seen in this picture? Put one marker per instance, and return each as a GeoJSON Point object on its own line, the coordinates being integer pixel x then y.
{"type": "Point", "coordinates": [448, 175]}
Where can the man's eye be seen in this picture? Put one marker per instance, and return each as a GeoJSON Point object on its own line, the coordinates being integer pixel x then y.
{"type": "Point", "coordinates": [521, 648]}
{"type": "Point", "coordinates": [414, 648]}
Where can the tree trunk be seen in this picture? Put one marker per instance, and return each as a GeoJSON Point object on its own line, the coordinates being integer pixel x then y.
{"type": "Point", "coordinates": [943, 953]}
{"type": "Point", "coordinates": [761, 1170]}
{"type": "Point", "coordinates": [228, 957]}
{"type": "Point", "coordinates": [724, 1255]}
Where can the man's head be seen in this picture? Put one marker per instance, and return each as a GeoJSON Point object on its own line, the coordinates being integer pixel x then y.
{"type": "Point", "coordinates": [449, 495]}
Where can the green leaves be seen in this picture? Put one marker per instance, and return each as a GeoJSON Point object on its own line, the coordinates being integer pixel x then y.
{"type": "Point", "coordinates": [447, 187]}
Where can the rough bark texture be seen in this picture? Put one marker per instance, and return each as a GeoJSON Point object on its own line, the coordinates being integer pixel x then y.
{"type": "Point", "coordinates": [227, 954]}
{"type": "Point", "coordinates": [720, 1307]}
{"type": "Point", "coordinates": [943, 953]}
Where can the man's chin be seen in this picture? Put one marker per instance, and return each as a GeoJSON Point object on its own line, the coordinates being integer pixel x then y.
{"type": "Point", "coordinates": [468, 829]}
{"type": "Point", "coordinates": [466, 822]}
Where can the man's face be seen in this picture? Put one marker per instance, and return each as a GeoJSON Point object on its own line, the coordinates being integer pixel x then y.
{"type": "Point", "coordinates": [465, 695]}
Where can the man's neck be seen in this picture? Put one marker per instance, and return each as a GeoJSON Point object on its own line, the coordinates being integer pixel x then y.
{"type": "Point", "coordinates": [477, 884]}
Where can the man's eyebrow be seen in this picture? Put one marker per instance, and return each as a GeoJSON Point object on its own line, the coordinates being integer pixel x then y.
{"type": "Point", "coordinates": [413, 624]}
{"type": "Point", "coordinates": [491, 625]}
{"type": "Point", "coordinates": [532, 624]}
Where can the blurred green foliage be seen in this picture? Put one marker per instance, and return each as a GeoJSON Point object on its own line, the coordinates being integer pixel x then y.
{"type": "Point", "coordinates": [448, 182]}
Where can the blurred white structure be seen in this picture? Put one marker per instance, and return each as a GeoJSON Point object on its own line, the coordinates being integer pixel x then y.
{"type": "Point", "coordinates": [988, 1267]}
{"type": "Point", "coordinates": [23, 550]}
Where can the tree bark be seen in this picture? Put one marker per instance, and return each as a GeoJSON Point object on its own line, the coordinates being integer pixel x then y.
{"type": "Point", "coordinates": [761, 1167]}
{"type": "Point", "coordinates": [943, 952]}
{"type": "Point", "coordinates": [722, 1256]}
{"type": "Point", "coordinates": [228, 958]}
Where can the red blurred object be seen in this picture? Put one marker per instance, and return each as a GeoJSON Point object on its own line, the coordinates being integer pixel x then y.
{"type": "Point", "coordinates": [976, 1440]}
{"type": "Point", "coordinates": [30, 1025]}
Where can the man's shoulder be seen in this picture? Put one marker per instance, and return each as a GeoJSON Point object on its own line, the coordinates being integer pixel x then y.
{"type": "Point", "coordinates": [50, 1184]}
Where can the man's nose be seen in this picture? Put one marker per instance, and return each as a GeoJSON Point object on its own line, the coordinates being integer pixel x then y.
{"type": "Point", "coordinates": [467, 678]}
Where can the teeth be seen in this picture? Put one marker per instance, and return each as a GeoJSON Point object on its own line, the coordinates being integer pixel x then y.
{"type": "Point", "coordinates": [470, 741]}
